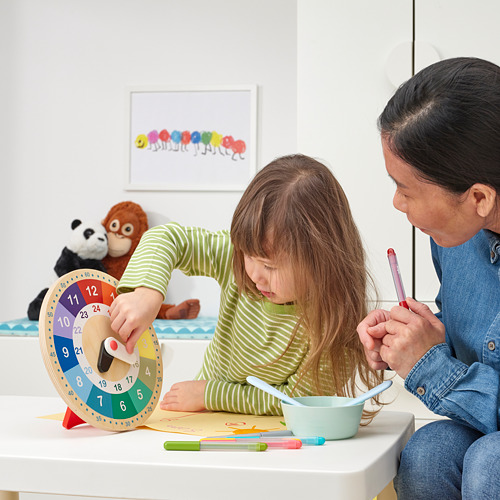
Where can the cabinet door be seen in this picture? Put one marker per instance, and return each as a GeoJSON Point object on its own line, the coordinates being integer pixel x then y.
{"type": "Point", "coordinates": [453, 28]}
{"type": "Point", "coordinates": [343, 49]}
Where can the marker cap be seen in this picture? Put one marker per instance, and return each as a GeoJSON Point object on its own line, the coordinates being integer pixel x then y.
{"type": "Point", "coordinates": [182, 445]}
{"type": "Point", "coordinates": [312, 440]}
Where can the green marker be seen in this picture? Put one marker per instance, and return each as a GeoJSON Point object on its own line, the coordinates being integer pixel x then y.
{"type": "Point", "coordinates": [211, 445]}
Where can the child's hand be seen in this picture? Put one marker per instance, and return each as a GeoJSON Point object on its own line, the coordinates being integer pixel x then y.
{"type": "Point", "coordinates": [132, 314]}
{"type": "Point", "coordinates": [185, 396]}
{"type": "Point", "coordinates": [371, 332]}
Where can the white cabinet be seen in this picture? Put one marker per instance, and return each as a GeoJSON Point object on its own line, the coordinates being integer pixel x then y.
{"type": "Point", "coordinates": [342, 50]}
{"type": "Point", "coordinates": [348, 53]}
{"type": "Point", "coordinates": [454, 28]}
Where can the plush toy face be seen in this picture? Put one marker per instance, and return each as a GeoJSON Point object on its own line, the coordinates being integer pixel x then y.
{"type": "Point", "coordinates": [120, 237]}
{"type": "Point", "coordinates": [88, 240]}
{"type": "Point", "coordinates": [125, 223]}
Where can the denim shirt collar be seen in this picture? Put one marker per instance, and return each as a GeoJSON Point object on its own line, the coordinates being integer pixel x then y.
{"type": "Point", "coordinates": [494, 242]}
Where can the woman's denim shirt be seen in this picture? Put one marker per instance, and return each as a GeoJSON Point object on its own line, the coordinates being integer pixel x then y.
{"type": "Point", "coordinates": [461, 378]}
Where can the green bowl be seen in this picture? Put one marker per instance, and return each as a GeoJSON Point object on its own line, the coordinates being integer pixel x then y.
{"type": "Point", "coordinates": [322, 416]}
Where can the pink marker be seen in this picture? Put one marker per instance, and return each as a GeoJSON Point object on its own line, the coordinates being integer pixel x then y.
{"type": "Point", "coordinates": [396, 276]}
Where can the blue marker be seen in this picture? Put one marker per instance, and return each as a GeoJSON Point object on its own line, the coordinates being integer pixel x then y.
{"type": "Point", "coordinates": [312, 440]}
{"type": "Point", "coordinates": [306, 441]}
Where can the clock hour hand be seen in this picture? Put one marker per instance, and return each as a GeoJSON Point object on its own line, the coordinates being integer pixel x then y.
{"type": "Point", "coordinates": [111, 349]}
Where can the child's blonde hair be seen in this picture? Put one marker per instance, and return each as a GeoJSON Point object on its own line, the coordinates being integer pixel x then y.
{"type": "Point", "coordinates": [295, 211]}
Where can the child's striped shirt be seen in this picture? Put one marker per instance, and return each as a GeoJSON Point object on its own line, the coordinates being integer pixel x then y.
{"type": "Point", "coordinates": [251, 336]}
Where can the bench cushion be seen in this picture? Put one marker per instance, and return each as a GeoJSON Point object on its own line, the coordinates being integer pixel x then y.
{"type": "Point", "coordinates": [199, 328]}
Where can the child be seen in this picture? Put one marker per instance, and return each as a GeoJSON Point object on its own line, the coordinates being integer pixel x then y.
{"type": "Point", "coordinates": [293, 289]}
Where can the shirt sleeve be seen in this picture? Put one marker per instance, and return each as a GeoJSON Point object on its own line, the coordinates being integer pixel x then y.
{"type": "Point", "coordinates": [245, 398]}
{"type": "Point", "coordinates": [194, 251]}
{"type": "Point", "coordinates": [448, 387]}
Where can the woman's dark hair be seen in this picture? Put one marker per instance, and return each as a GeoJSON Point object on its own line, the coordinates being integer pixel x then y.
{"type": "Point", "coordinates": [445, 122]}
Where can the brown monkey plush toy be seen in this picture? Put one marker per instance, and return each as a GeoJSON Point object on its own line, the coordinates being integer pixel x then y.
{"type": "Point", "coordinates": [125, 223]}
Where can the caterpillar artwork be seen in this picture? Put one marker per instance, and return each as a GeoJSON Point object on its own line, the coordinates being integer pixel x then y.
{"type": "Point", "coordinates": [179, 141]}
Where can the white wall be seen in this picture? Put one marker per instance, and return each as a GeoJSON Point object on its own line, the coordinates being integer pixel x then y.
{"type": "Point", "coordinates": [65, 65]}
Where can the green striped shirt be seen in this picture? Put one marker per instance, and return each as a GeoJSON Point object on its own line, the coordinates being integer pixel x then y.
{"type": "Point", "coordinates": [251, 336]}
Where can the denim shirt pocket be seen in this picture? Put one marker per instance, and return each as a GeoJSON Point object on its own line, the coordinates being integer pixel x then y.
{"type": "Point", "coordinates": [491, 345]}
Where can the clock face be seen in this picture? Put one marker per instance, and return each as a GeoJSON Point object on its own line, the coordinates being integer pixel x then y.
{"type": "Point", "coordinates": [74, 324]}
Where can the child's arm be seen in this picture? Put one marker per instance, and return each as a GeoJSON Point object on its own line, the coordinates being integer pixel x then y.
{"type": "Point", "coordinates": [161, 250]}
{"type": "Point", "coordinates": [132, 313]}
{"type": "Point", "coordinates": [218, 395]}
{"type": "Point", "coordinates": [194, 251]}
{"type": "Point", "coordinates": [245, 398]}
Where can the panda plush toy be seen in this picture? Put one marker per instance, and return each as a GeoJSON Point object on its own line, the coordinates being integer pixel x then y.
{"type": "Point", "coordinates": [86, 248]}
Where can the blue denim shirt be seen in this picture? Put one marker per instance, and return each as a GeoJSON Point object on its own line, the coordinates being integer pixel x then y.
{"type": "Point", "coordinates": [461, 378]}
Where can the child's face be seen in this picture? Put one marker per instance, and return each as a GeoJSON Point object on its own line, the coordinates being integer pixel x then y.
{"type": "Point", "coordinates": [274, 282]}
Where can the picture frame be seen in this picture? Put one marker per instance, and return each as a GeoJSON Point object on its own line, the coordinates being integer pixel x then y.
{"type": "Point", "coordinates": [191, 138]}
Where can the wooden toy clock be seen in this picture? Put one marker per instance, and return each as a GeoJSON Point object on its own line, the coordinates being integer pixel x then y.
{"type": "Point", "coordinates": [102, 384]}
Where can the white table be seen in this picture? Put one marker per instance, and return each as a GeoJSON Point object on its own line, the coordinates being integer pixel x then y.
{"type": "Point", "coordinates": [39, 455]}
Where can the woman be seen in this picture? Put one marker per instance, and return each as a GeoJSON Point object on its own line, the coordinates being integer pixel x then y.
{"type": "Point", "coordinates": [441, 142]}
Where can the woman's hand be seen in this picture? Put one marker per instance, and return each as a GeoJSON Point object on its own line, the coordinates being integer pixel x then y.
{"type": "Point", "coordinates": [371, 331]}
{"type": "Point", "coordinates": [410, 334]}
{"type": "Point", "coordinates": [185, 396]}
{"type": "Point", "coordinates": [132, 314]}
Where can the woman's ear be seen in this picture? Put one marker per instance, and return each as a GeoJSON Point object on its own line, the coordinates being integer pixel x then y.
{"type": "Point", "coordinates": [484, 198]}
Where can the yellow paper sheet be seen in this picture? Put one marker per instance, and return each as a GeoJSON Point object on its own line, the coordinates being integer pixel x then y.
{"type": "Point", "coordinates": [207, 423]}
{"type": "Point", "coordinates": [55, 416]}
{"type": "Point", "coordinates": [210, 423]}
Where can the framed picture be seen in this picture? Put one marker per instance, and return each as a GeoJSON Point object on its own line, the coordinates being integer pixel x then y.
{"type": "Point", "coordinates": [191, 138]}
